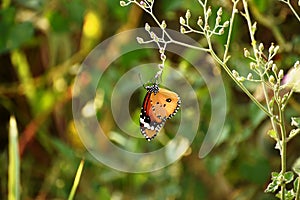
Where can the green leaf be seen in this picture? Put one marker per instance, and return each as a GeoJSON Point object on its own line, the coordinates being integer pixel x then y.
{"type": "Point", "coordinates": [19, 34]}
{"type": "Point", "coordinates": [272, 187]}
{"type": "Point", "coordinates": [296, 183]}
{"type": "Point", "coordinates": [14, 162]}
{"type": "Point", "coordinates": [288, 176]}
{"type": "Point", "coordinates": [8, 15]}
{"type": "Point", "coordinates": [293, 133]}
{"type": "Point", "coordinates": [295, 121]}
{"type": "Point", "coordinates": [76, 180]}
{"type": "Point", "coordinates": [288, 194]}
{"type": "Point", "coordinates": [296, 166]}
{"type": "Point", "coordinates": [272, 134]}
{"type": "Point", "coordinates": [13, 35]}
{"type": "Point", "coordinates": [275, 175]}
{"type": "Point", "coordinates": [58, 22]}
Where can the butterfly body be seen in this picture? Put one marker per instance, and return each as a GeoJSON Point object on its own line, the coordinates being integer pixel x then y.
{"type": "Point", "coordinates": [159, 105]}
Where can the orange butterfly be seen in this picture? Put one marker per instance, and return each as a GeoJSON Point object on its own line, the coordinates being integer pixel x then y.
{"type": "Point", "coordinates": [158, 106]}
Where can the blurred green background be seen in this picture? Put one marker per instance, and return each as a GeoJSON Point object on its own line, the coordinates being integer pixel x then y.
{"type": "Point", "coordinates": [42, 44]}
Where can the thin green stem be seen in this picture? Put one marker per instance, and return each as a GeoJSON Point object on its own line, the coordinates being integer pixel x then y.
{"type": "Point", "coordinates": [253, 43]}
{"type": "Point", "coordinates": [287, 99]}
{"type": "Point", "coordinates": [269, 22]}
{"type": "Point", "coordinates": [230, 30]}
{"type": "Point", "coordinates": [225, 67]}
{"type": "Point", "coordinates": [283, 148]}
{"type": "Point", "coordinates": [14, 162]}
{"type": "Point", "coordinates": [76, 180]}
{"type": "Point", "coordinates": [188, 45]}
{"type": "Point", "coordinates": [298, 190]}
{"type": "Point", "coordinates": [292, 9]}
{"type": "Point", "coordinates": [251, 31]}
{"type": "Point", "coordinates": [270, 110]}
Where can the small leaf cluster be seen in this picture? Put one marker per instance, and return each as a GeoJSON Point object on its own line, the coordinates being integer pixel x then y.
{"type": "Point", "coordinates": [279, 179]}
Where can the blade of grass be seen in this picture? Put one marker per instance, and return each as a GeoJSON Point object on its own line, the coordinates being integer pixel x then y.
{"type": "Point", "coordinates": [14, 162]}
{"type": "Point", "coordinates": [76, 180]}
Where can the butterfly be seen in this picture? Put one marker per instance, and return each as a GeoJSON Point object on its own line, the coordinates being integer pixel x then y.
{"type": "Point", "coordinates": [159, 105]}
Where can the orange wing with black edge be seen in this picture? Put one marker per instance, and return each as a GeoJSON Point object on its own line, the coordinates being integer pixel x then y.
{"type": "Point", "coordinates": [158, 106]}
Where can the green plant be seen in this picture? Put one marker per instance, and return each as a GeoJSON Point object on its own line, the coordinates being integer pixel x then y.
{"type": "Point", "coordinates": [265, 73]}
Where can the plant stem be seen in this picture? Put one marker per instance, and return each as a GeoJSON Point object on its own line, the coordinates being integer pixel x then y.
{"type": "Point", "coordinates": [292, 9]}
{"type": "Point", "coordinates": [225, 67]}
{"type": "Point", "coordinates": [298, 190]}
{"type": "Point", "coordinates": [269, 109]}
{"type": "Point", "coordinates": [270, 22]}
{"type": "Point", "coordinates": [283, 148]}
{"type": "Point", "coordinates": [14, 162]}
{"type": "Point", "coordinates": [230, 30]}
{"type": "Point", "coordinates": [76, 180]}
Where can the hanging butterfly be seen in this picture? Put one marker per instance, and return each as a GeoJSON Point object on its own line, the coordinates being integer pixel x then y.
{"type": "Point", "coordinates": [158, 106]}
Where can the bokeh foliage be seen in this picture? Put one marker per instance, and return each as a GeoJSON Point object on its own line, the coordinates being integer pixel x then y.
{"type": "Point", "coordinates": [42, 44]}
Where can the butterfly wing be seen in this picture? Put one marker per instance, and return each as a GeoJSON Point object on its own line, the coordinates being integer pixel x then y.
{"type": "Point", "coordinates": [170, 101]}
{"type": "Point", "coordinates": [156, 109]}
{"type": "Point", "coordinates": [150, 123]}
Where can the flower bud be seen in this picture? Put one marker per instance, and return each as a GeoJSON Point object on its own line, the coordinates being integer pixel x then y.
{"type": "Point", "coordinates": [163, 57]}
{"type": "Point", "coordinates": [161, 50]}
{"type": "Point", "coordinates": [143, 4]}
{"type": "Point", "coordinates": [274, 68]}
{"type": "Point", "coordinates": [200, 21]}
{"type": "Point", "coordinates": [221, 31]}
{"type": "Point", "coordinates": [152, 35]}
{"type": "Point", "coordinates": [163, 24]}
{"type": "Point", "coordinates": [280, 74]}
{"type": "Point", "coordinates": [188, 14]}
{"type": "Point", "coordinates": [207, 27]}
{"type": "Point", "coordinates": [208, 11]}
{"type": "Point", "coordinates": [297, 64]}
{"type": "Point", "coordinates": [139, 40]}
{"type": "Point", "coordinates": [250, 76]}
{"type": "Point", "coordinates": [218, 20]}
{"type": "Point", "coordinates": [220, 12]}
{"type": "Point", "coordinates": [246, 53]}
{"type": "Point", "coordinates": [276, 49]}
{"type": "Point", "coordinates": [261, 47]}
{"type": "Point", "coordinates": [147, 27]}
{"type": "Point", "coordinates": [122, 3]}
{"type": "Point", "coordinates": [182, 21]}
{"type": "Point", "coordinates": [252, 65]}
{"type": "Point", "coordinates": [272, 79]}
{"type": "Point", "coordinates": [271, 49]}
{"type": "Point", "coordinates": [182, 29]}
{"type": "Point", "coordinates": [226, 24]}
{"type": "Point", "coordinates": [235, 73]}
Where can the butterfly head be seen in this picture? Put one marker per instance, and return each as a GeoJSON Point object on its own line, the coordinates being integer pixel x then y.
{"type": "Point", "coordinates": [152, 88]}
